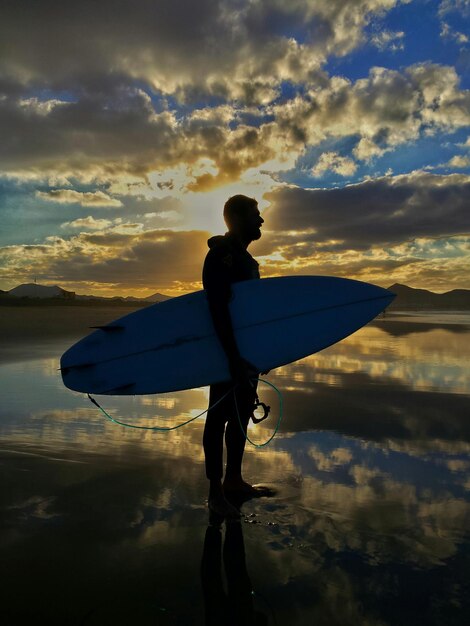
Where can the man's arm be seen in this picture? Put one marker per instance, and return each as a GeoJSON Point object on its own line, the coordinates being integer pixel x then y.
{"type": "Point", "coordinates": [240, 369]}
{"type": "Point", "coordinates": [217, 284]}
{"type": "Point", "coordinates": [219, 309]}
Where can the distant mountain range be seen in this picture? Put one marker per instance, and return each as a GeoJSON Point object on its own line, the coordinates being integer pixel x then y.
{"type": "Point", "coordinates": [32, 290]}
{"type": "Point", "coordinates": [44, 293]}
{"type": "Point", "coordinates": [407, 298]}
{"type": "Point", "coordinates": [421, 299]}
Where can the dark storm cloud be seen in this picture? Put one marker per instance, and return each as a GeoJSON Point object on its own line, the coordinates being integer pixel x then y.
{"type": "Point", "coordinates": [382, 211]}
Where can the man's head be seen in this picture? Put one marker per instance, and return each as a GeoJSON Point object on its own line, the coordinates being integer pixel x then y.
{"type": "Point", "coordinates": [243, 218]}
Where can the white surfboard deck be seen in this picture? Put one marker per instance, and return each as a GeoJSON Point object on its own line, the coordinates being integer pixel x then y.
{"type": "Point", "coordinates": [172, 345]}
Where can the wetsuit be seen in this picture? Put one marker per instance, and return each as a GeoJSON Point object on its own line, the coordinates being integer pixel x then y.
{"type": "Point", "coordinates": [227, 262]}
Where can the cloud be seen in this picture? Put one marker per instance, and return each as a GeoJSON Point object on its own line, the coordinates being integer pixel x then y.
{"type": "Point", "coordinates": [459, 161]}
{"type": "Point", "coordinates": [387, 39]}
{"type": "Point", "coordinates": [121, 257]}
{"type": "Point", "coordinates": [88, 223]}
{"type": "Point", "coordinates": [223, 48]}
{"type": "Point", "coordinates": [438, 265]}
{"type": "Point", "coordinates": [332, 460]}
{"type": "Point", "coordinates": [366, 150]}
{"type": "Point", "coordinates": [464, 144]}
{"type": "Point", "coordinates": [392, 229]}
{"type": "Point", "coordinates": [343, 166]}
{"type": "Point", "coordinates": [103, 138]}
{"type": "Point", "coordinates": [461, 7]}
{"type": "Point", "coordinates": [65, 196]}
{"type": "Point", "coordinates": [412, 229]}
{"type": "Point", "coordinates": [143, 108]}
{"type": "Point", "coordinates": [385, 210]}
{"type": "Point", "coordinates": [459, 11]}
{"type": "Point", "coordinates": [93, 134]}
{"type": "Point", "coordinates": [388, 108]}
{"type": "Point", "coordinates": [103, 124]}
{"type": "Point", "coordinates": [448, 33]}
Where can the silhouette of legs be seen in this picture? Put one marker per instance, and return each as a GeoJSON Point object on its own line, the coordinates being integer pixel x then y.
{"type": "Point", "coordinates": [213, 440]}
{"type": "Point", "coordinates": [235, 437]}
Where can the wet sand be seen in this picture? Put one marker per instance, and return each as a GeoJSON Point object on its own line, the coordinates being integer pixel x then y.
{"type": "Point", "coordinates": [31, 332]}
{"type": "Point", "coordinates": [23, 324]}
{"type": "Point", "coordinates": [101, 525]}
{"type": "Point", "coordinates": [19, 323]}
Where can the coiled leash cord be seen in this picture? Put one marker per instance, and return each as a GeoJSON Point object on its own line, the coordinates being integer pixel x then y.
{"type": "Point", "coordinates": [256, 420]}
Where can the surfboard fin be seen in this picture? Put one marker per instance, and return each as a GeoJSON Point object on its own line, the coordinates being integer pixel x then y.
{"type": "Point", "coordinates": [108, 328]}
{"type": "Point", "coordinates": [117, 390]}
{"type": "Point", "coordinates": [65, 370]}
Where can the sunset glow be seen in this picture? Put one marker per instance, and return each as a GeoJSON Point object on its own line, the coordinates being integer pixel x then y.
{"type": "Point", "coordinates": [125, 127]}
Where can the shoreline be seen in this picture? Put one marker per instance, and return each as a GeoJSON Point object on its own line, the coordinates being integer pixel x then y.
{"type": "Point", "coordinates": [31, 322]}
{"type": "Point", "coordinates": [22, 323]}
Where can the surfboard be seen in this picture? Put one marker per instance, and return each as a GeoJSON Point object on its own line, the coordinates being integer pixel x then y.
{"type": "Point", "coordinates": [172, 345]}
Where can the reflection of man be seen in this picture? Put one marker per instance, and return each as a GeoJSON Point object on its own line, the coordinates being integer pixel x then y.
{"type": "Point", "coordinates": [236, 606]}
{"type": "Point", "coordinates": [227, 262]}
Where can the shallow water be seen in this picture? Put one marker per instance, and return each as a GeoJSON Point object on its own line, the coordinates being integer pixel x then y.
{"type": "Point", "coordinates": [369, 525]}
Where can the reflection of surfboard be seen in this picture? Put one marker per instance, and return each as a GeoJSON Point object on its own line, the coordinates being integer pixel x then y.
{"type": "Point", "coordinates": [172, 345]}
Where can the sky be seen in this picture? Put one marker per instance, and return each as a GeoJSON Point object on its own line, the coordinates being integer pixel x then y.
{"type": "Point", "coordinates": [126, 125]}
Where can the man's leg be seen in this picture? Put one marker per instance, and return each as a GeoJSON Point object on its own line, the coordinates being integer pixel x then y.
{"type": "Point", "coordinates": [235, 439]}
{"type": "Point", "coordinates": [213, 442]}
{"type": "Point", "coordinates": [235, 435]}
{"type": "Point", "coordinates": [213, 438]}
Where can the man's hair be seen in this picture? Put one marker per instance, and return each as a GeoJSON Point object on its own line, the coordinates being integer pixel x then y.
{"type": "Point", "coordinates": [236, 206]}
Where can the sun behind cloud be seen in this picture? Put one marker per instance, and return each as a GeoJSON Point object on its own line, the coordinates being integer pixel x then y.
{"type": "Point", "coordinates": [120, 147]}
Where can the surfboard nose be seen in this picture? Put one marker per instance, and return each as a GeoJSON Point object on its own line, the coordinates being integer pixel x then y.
{"type": "Point", "coordinates": [387, 295]}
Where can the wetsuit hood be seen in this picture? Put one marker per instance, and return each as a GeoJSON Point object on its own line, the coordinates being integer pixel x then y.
{"type": "Point", "coordinates": [217, 240]}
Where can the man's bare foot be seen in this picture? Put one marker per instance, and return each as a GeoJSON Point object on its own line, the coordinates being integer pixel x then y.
{"type": "Point", "coordinates": [222, 507]}
{"type": "Point", "coordinates": [241, 487]}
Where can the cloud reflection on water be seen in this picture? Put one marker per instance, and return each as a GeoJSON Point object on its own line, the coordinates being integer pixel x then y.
{"type": "Point", "coordinates": [371, 465]}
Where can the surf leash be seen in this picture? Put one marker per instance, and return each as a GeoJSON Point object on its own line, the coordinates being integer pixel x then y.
{"type": "Point", "coordinates": [192, 419]}
{"type": "Point", "coordinates": [266, 413]}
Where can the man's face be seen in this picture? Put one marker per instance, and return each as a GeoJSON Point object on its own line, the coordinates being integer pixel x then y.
{"type": "Point", "coordinates": [251, 223]}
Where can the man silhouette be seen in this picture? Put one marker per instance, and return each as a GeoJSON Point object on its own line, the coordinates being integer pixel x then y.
{"type": "Point", "coordinates": [228, 261]}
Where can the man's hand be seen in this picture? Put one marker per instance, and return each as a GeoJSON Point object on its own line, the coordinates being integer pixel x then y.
{"type": "Point", "coordinates": [242, 370]}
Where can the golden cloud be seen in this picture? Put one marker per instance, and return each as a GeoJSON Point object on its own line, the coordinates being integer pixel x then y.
{"type": "Point", "coordinates": [87, 198]}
